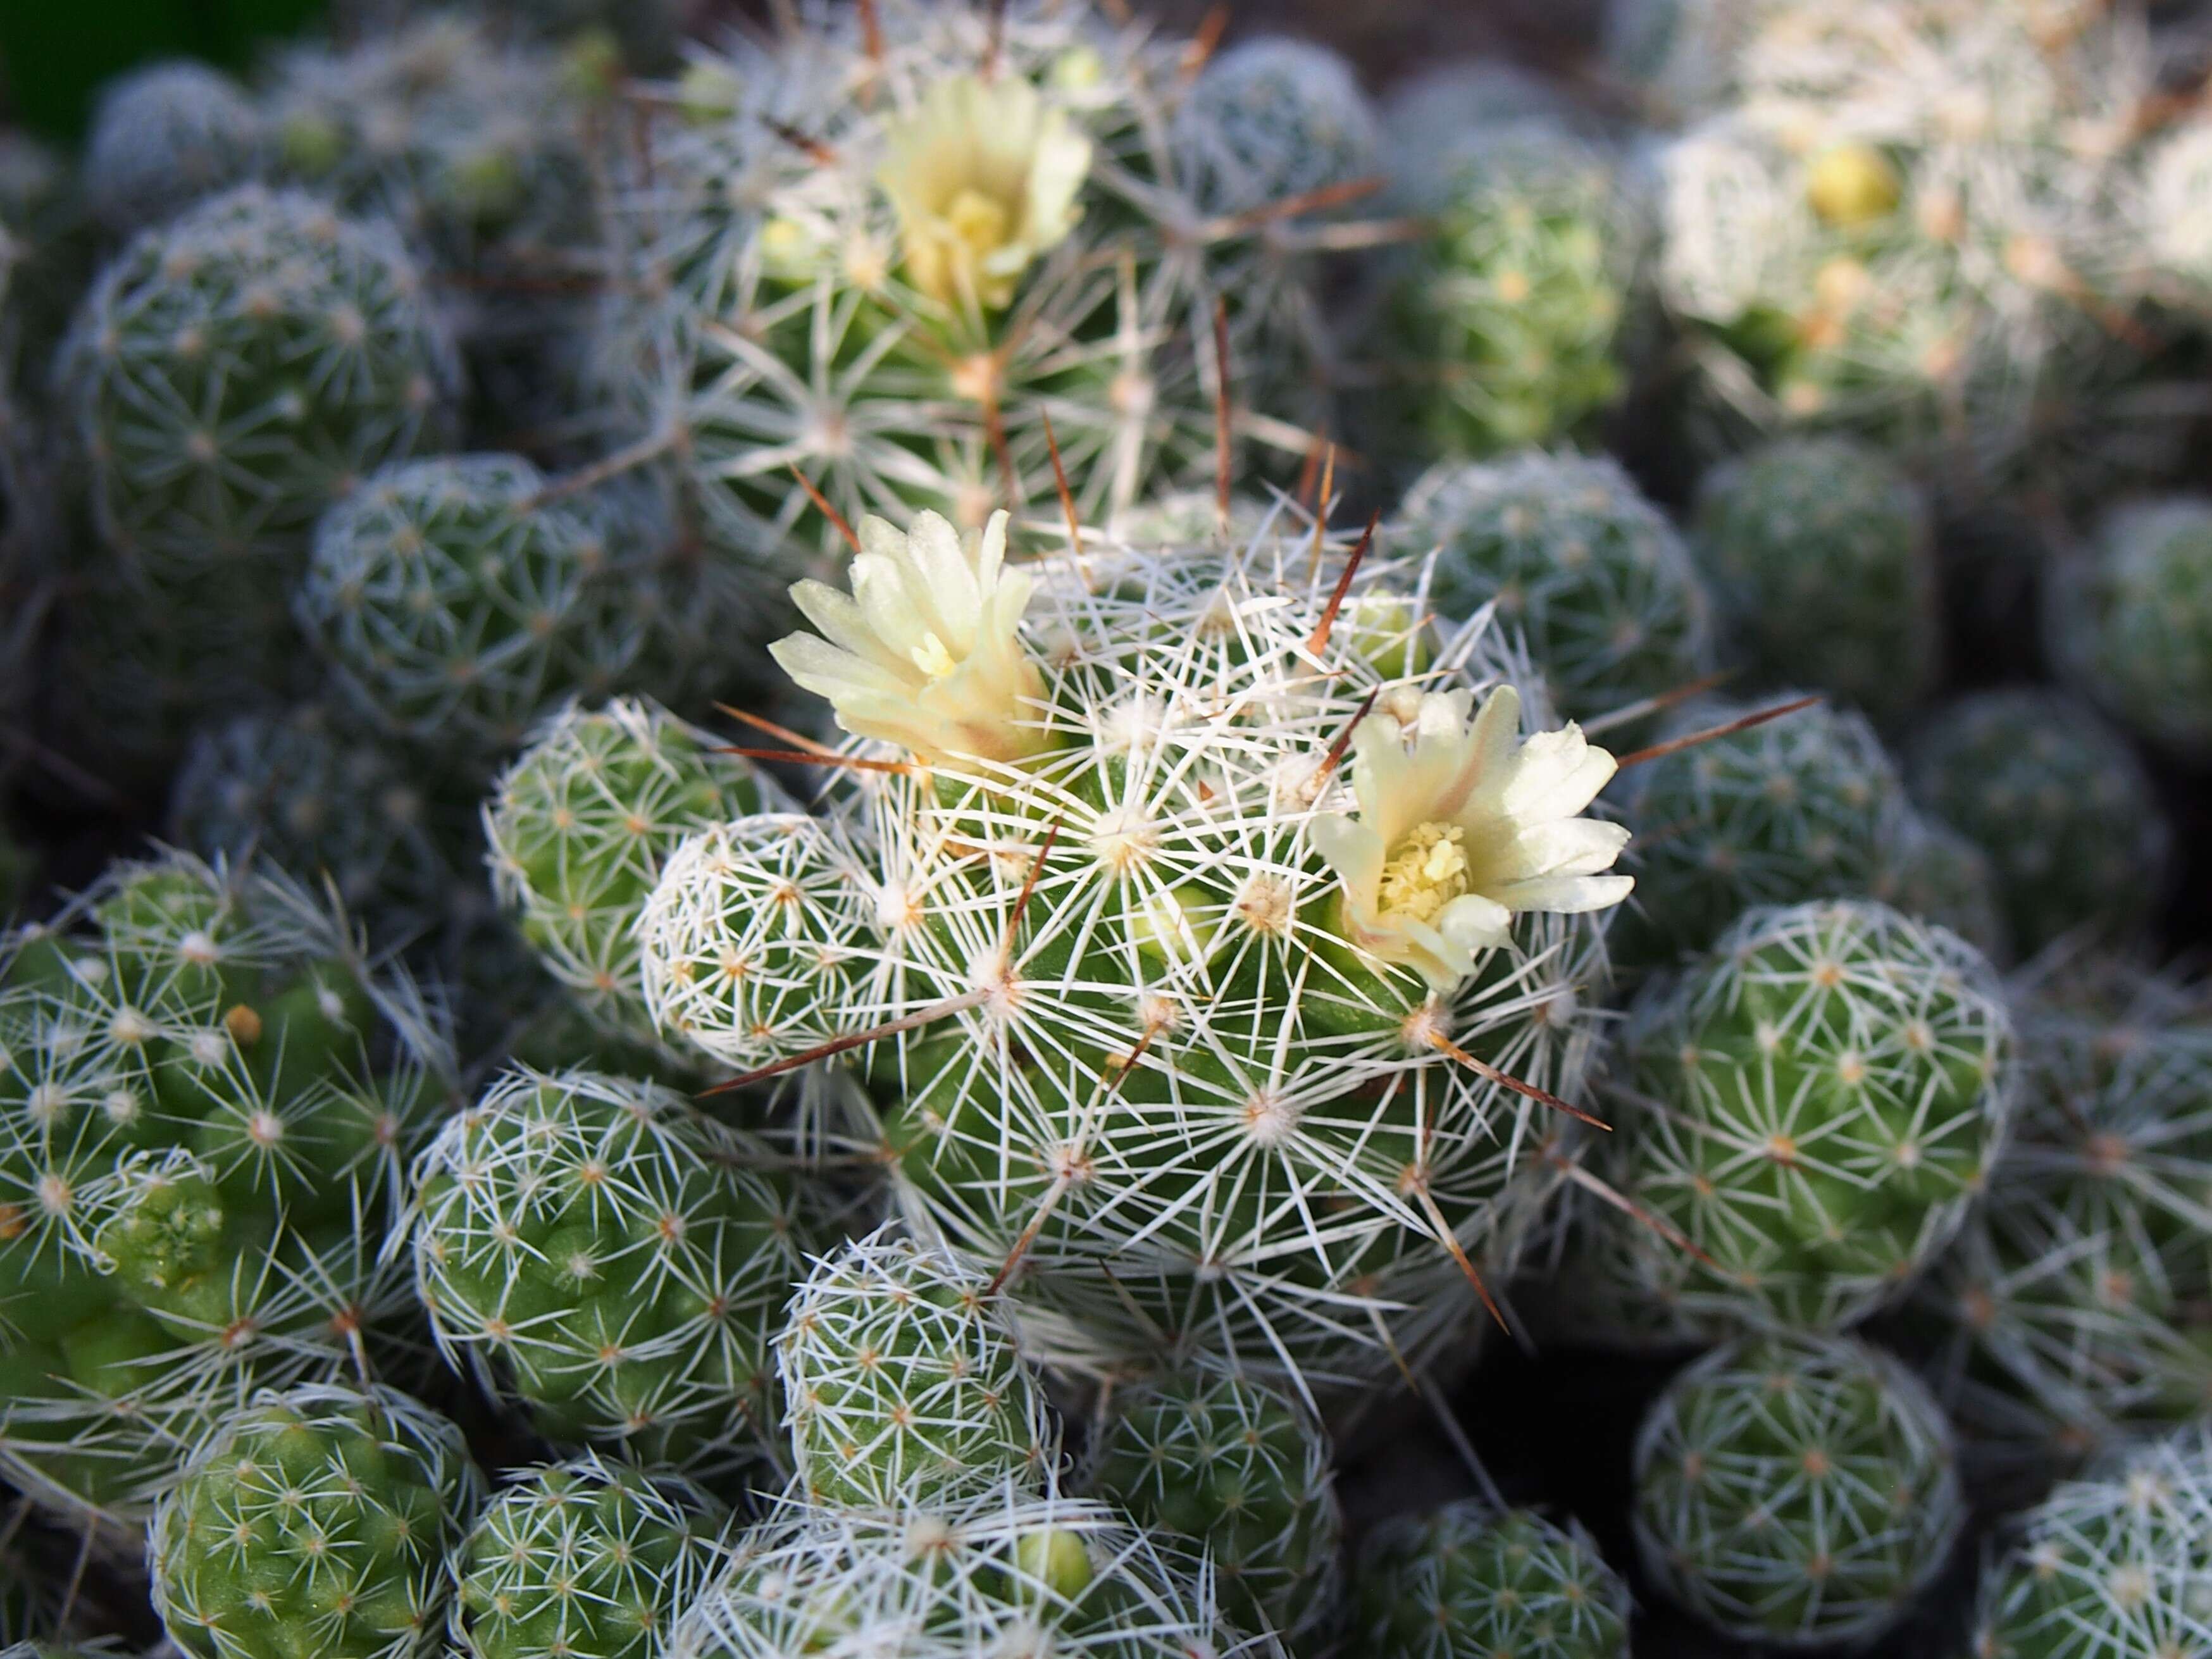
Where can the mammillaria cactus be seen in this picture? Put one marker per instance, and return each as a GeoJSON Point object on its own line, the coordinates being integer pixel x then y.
{"type": "Point", "coordinates": [315, 1520]}
{"type": "Point", "coordinates": [164, 136]}
{"type": "Point", "coordinates": [580, 825]}
{"type": "Point", "coordinates": [1471, 1581]}
{"type": "Point", "coordinates": [322, 802]}
{"type": "Point", "coordinates": [1821, 550]}
{"type": "Point", "coordinates": [1807, 1114]}
{"type": "Point", "coordinates": [2078, 1301]}
{"type": "Point", "coordinates": [2058, 800]}
{"type": "Point", "coordinates": [237, 370]}
{"type": "Point", "coordinates": [991, 222]}
{"type": "Point", "coordinates": [1807, 806]}
{"type": "Point", "coordinates": [1168, 945]}
{"type": "Point", "coordinates": [1576, 559]}
{"type": "Point", "coordinates": [1241, 1473]}
{"type": "Point", "coordinates": [1795, 1490]}
{"type": "Point", "coordinates": [1501, 325]}
{"type": "Point", "coordinates": [2133, 625]}
{"type": "Point", "coordinates": [613, 1259]}
{"type": "Point", "coordinates": [582, 1559]}
{"type": "Point", "coordinates": [2119, 1562]}
{"type": "Point", "coordinates": [902, 1384]}
{"type": "Point", "coordinates": [210, 1105]}
{"type": "Point", "coordinates": [457, 606]}
{"type": "Point", "coordinates": [1004, 1570]}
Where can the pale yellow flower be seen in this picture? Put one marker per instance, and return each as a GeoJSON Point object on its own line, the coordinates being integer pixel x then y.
{"type": "Point", "coordinates": [924, 651]}
{"type": "Point", "coordinates": [1461, 826]}
{"type": "Point", "coordinates": [984, 177]}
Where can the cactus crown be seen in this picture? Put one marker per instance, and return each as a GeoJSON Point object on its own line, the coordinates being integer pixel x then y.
{"type": "Point", "coordinates": [1469, 1581]}
{"type": "Point", "coordinates": [315, 1520]}
{"type": "Point", "coordinates": [1237, 1471]}
{"type": "Point", "coordinates": [601, 1249]}
{"type": "Point", "coordinates": [1796, 1490]}
{"type": "Point", "coordinates": [582, 1558]}
{"type": "Point", "coordinates": [902, 1385]}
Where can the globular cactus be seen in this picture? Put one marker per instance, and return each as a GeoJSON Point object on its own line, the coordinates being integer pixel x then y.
{"type": "Point", "coordinates": [1801, 807]}
{"type": "Point", "coordinates": [903, 1387]}
{"type": "Point", "coordinates": [582, 1559]}
{"type": "Point", "coordinates": [2132, 625]}
{"type": "Point", "coordinates": [2079, 1302]}
{"type": "Point", "coordinates": [210, 1104]}
{"type": "Point", "coordinates": [1795, 1492]}
{"type": "Point", "coordinates": [314, 1521]}
{"type": "Point", "coordinates": [615, 1261]}
{"type": "Point", "coordinates": [951, 227]}
{"type": "Point", "coordinates": [457, 607]}
{"type": "Point", "coordinates": [1575, 560]}
{"type": "Point", "coordinates": [1237, 1472]}
{"type": "Point", "coordinates": [1007, 1569]}
{"type": "Point", "coordinates": [163, 137]}
{"type": "Point", "coordinates": [757, 939]}
{"type": "Point", "coordinates": [2119, 1562]}
{"type": "Point", "coordinates": [1139, 971]}
{"type": "Point", "coordinates": [1821, 552]}
{"type": "Point", "coordinates": [580, 825]}
{"type": "Point", "coordinates": [324, 802]}
{"type": "Point", "coordinates": [1933, 872]}
{"type": "Point", "coordinates": [1503, 326]}
{"type": "Point", "coordinates": [237, 370]}
{"type": "Point", "coordinates": [2075, 832]}
{"type": "Point", "coordinates": [1805, 1115]}
{"type": "Point", "coordinates": [1471, 1581]}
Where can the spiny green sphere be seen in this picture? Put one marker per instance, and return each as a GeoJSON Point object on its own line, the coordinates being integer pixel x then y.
{"type": "Point", "coordinates": [2058, 800]}
{"type": "Point", "coordinates": [2079, 1302]}
{"type": "Point", "coordinates": [206, 1102]}
{"type": "Point", "coordinates": [1239, 1471]}
{"type": "Point", "coordinates": [1813, 1105]}
{"type": "Point", "coordinates": [1501, 324]}
{"type": "Point", "coordinates": [2135, 627]}
{"type": "Point", "coordinates": [1272, 120]}
{"type": "Point", "coordinates": [1801, 807]}
{"type": "Point", "coordinates": [315, 1524]}
{"type": "Point", "coordinates": [613, 1258]}
{"type": "Point", "coordinates": [1796, 1490]}
{"type": "Point", "coordinates": [2119, 1563]}
{"type": "Point", "coordinates": [902, 1384]}
{"type": "Point", "coordinates": [580, 826]}
{"type": "Point", "coordinates": [1574, 558]}
{"type": "Point", "coordinates": [1471, 1583]}
{"type": "Point", "coordinates": [1005, 1572]}
{"type": "Point", "coordinates": [457, 607]}
{"type": "Point", "coordinates": [320, 800]}
{"type": "Point", "coordinates": [165, 135]}
{"type": "Point", "coordinates": [1821, 552]}
{"type": "Point", "coordinates": [236, 371]}
{"type": "Point", "coordinates": [582, 1561]}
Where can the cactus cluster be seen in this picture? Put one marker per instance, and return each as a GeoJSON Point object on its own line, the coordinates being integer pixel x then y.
{"type": "Point", "coordinates": [965, 794]}
{"type": "Point", "coordinates": [211, 1097]}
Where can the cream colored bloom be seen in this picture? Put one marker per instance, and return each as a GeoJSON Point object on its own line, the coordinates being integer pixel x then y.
{"type": "Point", "coordinates": [1461, 827]}
{"type": "Point", "coordinates": [984, 178]}
{"type": "Point", "coordinates": [924, 652]}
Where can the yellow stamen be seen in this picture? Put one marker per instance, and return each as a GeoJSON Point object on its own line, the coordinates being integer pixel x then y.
{"type": "Point", "coordinates": [1426, 871]}
{"type": "Point", "coordinates": [932, 658]}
